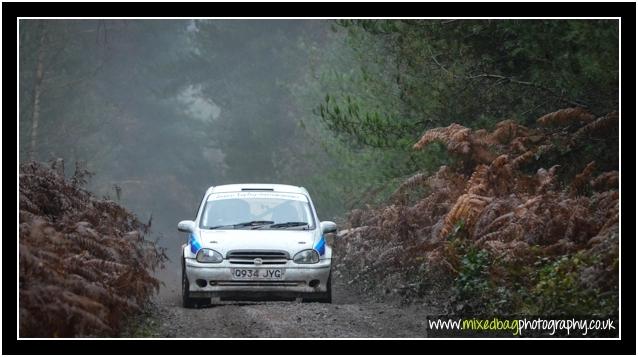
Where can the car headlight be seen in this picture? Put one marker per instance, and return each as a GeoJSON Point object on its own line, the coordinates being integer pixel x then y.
{"type": "Point", "coordinates": [308, 256]}
{"type": "Point", "coordinates": [209, 256]}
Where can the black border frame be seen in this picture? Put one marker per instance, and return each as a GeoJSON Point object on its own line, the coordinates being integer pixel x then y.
{"type": "Point", "coordinates": [626, 11]}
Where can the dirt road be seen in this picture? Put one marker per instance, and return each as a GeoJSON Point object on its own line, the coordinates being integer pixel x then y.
{"type": "Point", "coordinates": [347, 316]}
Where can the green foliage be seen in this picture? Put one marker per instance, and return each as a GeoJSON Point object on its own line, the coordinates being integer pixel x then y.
{"type": "Point", "coordinates": [560, 289]}
{"type": "Point", "coordinates": [475, 289]}
{"type": "Point", "coordinates": [472, 281]}
{"type": "Point", "coordinates": [369, 128]}
{"type": "Point", "coordinates": [359, 143]}
{"type": "Point", "coordinates": [440, 71]}
{"type": "Point", "coordinates": [551, 286]}
{"type": "Point", "coordinates": [382, 82]}
{"type": "Point", "coordinates": [487, 284]}
{"type": "Point", "coordinates": [413, 75]}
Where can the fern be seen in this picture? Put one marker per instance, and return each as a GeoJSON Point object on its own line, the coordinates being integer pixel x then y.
{"type": "Point", "coordinates": [79, 274]}
{"type": "Point", "coordinates": [522, 219]}
{"type": "Point", "coordinates": [565, 117]}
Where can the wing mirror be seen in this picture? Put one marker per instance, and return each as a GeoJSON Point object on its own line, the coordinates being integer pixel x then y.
{"type": "Point", "coordinates": [186, 226]}
{"type": "Point", "coordinates": [328, 227]}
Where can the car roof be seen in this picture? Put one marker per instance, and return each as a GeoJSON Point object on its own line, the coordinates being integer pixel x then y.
{"type": "Point", "coordinates": [258, 186]}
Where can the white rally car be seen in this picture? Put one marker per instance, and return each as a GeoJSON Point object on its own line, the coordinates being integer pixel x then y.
{"type": "Point", "coordinates": [254, 241]}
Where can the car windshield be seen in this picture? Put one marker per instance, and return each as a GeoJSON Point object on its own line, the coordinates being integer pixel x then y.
{"type": "Point", "coordinates": [257, 210]}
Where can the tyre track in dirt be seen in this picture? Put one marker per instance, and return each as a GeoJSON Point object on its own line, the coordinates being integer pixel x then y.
{"type": "Point", "coordinates": [349, 316]}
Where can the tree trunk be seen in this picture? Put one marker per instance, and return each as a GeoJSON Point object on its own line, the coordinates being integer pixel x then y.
{"type": "Point", "coordinates": [37, 92]}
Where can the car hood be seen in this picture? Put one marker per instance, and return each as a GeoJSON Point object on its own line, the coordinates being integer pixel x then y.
{"type": "Point", "coordinates": [291, 241]}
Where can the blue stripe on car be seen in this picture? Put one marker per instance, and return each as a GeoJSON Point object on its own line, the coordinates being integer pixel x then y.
{"type": "Point", "coordinates": [321, 246]}
{"type": "Point", "coordinates": [194, 243]}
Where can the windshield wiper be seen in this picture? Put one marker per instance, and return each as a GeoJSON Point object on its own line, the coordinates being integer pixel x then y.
{"type": "Point", "coordinates": [252, 223]}
{"type": "Point", "coordinates": [242, 224]}
{"type": "Point", "coordinates": [218, 227]}
{"type": "Point", "coordinates": [288, 224]}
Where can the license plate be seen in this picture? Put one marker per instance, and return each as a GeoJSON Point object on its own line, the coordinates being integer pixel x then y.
{"type": "Point", "coordinates": [258, 274]}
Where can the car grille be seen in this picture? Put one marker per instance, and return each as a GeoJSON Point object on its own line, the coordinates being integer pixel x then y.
{"type": "Point", "coordinates": [268, 257]}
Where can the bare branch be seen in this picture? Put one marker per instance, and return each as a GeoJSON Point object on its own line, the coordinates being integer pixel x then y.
{"type": "Point", "coordinates": [530, 84]}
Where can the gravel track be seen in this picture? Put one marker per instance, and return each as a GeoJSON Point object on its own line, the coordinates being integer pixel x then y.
{"type": "Point", "coordinates": [348, 316]}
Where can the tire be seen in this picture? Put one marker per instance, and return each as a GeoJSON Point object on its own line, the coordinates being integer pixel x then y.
{"type": "Point", "coordinates": [187, 301]}
{"type": "Point", "coordinates": [326, 297]}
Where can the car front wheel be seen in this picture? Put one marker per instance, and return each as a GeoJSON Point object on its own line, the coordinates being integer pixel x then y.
{"type": "Point", "coordinates": [326, 297]}
{"type": "Point", "coordinates": [187, 301]}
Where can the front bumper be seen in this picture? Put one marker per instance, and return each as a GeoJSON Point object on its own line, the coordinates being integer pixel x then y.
{"type": "Point", "coordinates": [219, 281]}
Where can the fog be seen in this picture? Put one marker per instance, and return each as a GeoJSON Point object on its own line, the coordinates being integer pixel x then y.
{"type": "Point", "coordinates": [159, 110]}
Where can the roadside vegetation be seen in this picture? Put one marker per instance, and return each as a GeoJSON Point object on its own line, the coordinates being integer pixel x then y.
{"type": "Point", "coordinates": [85, 266]}
{"type": "Point", "coordinates": [516, 234]}
{"type": "Point", "coordinates": [495, 151]}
